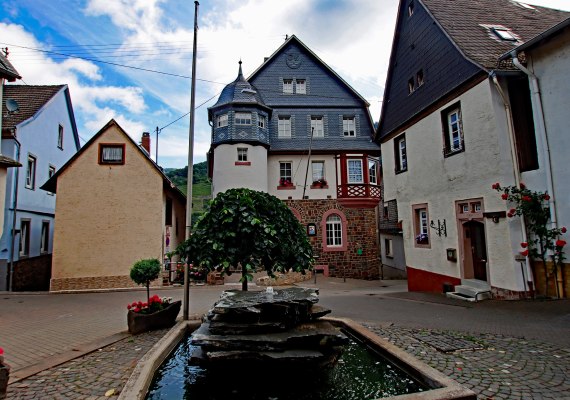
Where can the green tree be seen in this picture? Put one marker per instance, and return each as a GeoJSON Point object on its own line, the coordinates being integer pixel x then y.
{"type": "Point", "coordinates": [145, 271]}
{"type": "Point", "coordinates": [248, 229]}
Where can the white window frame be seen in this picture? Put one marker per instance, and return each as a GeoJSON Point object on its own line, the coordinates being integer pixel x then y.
{"type": "Point", "coordinates": [44, 238]}
{"type": "Point", "coordinates": [388, 248]}
{"type": "Point", "coordinates": [287, 86]}
{"type": "Point", "coordinates": [403, 155]}
{"type": "Point", "coordinates": [334, 231]}
{"type": "Point", "coordinates": [284, 126]}
{"type": "Point", "coordinates": [242, 118]}
{"type": "Point", "coordinates": [25, 234]}
{"type": "Point", "coordinates": [261, 121]}
{"type": "Point", "coordinates": [60, 137]}
{"type": "Point", "coordinates": [423, 221]}
{"type": "Point", "coordinates": [354, 175]}
{"type": "Point", "coordinates": [221, 120]}
{"type": "Point", "coordinates": [318, 170]}
{"type": "Point", "coordinates": [242, 154]}
{"type": "Point", "coordinates": [349, 122]}
{"type": "Point", "coordinates": [286, 170]}
{"type": "Point", "coordinates": [454, 130]}
{"type": "Point", "coordinates": [51, 172]}
{"type": "Point", "coordinates": [372, 172]}
{"type": "Point", "coordinates": [31, 172]}
{"type": "Point", "coordinates": [301, 86]}
{"type": "Point", "coordinates": [317, 126]}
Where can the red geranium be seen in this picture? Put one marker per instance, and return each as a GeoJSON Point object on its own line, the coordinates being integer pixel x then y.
{"type": "Point", "coordinates": [504, 196]}
{"type": "Point", "coordinates": [524, 253]}
{"type": "Point", "coordinates": [128, 306]}
{"type": "Point", "coordinates": [1, 351]}
{"type": "Point", "coordinates": [524, 245]}
{"type": "Point", "coordinates": [546, 196]}
{"type": "Point", "coordinates": [495, 186]}
{"type": "Point", "coordinates": [526, 198]}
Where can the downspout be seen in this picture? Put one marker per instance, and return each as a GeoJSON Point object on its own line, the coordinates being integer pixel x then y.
{"type": "Point", "coordinates": [516, 168]}
{"type": "Point", "coordinates": [541, 127]}
{"type": "Point", "coordinates": [14, 216]}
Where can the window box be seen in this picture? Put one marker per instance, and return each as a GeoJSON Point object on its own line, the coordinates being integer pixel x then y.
{"type": "Point", "coordinates": [285, 184]}
{"type": "Point", "coordinates": [320, 184]}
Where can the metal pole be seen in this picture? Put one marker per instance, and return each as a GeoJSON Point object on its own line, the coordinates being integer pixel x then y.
{"type": "Point", "coordinates": [308, 161]}
{"type": "Point", "coordinates": [156, 156]}
{"type": "Point", "coordinates": [190, 161]}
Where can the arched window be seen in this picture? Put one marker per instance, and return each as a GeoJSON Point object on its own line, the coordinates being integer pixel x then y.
{"type": "Point", "coordinates": [334, 230]}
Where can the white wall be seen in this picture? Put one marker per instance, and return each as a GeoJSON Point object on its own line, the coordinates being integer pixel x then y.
{"type": "Point", "coordinates": [440, 182]}
{"type": "Point", "coordinates": [228, 175]}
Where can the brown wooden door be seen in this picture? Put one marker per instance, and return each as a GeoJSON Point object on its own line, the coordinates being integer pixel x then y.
{"type": "Point", "coordinates": [478, 250]}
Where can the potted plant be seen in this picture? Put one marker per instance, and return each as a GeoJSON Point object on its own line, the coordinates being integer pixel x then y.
{"type": "Point", "coordinates": [322, 182]}
{"type": "Point", "coordinates": [422, 238]}
{"type": "Point", "coordinates": [4, 375]}
{"type": "Point", "coordinates": [155, 313]}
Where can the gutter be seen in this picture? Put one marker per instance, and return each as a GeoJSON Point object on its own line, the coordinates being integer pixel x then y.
{"type": "Point", "coordinates": [14, 215]}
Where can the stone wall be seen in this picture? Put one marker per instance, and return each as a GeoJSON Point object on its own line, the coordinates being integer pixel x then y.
{"type": "Point", "coordinates": [96, 282]}
{"type": "Point", "coordinates": [32, 274]}
{"type": "Point", "coordinates": [361, 232]}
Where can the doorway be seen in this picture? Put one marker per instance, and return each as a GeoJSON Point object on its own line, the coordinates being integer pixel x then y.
{"type": "Point", "coordinates": [475, 250]}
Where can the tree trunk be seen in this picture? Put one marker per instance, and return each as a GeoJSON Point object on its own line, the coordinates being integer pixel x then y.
{"type": "Point", "coordinates": [244, 278]}
{"type": "Point", "coordinates": [147, 292]}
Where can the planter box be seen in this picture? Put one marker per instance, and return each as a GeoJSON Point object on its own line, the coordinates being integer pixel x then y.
{"type": "Point", "coordinates": [4, 376]}
{"type": "Point", "coordinates": [139, 323]}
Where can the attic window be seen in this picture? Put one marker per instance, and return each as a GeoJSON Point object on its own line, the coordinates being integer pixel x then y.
{"type": "Point", "coordinates": [411, 9]}
{"type": "Point", "coordinates": [111, 153]}
{"type": "Point", "coordinates": [504, 34]}
{"type": "Point", "coordinates": [411, 86]}
{"type": "Point", "coordinates": [420, 77]}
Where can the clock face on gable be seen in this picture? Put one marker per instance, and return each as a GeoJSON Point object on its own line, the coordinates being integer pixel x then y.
{"type": "Point", "coordinates": [293, 60]}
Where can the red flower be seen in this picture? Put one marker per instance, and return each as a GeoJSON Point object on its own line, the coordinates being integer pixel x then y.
{"type": "Point", "coordinates": [526, 198]}
{"type": "Point", "coordinates": [504, 196]}
{"type": "Point", "coordinates": [134, 304]}
{"type": "Point", "coordinates": [523, 186]}
{"type": "Point", "coordinates": [496, 186]}
{"type": "Point", "coordinates": [1, 351]}
{"type": "Point", "coordinates": [510, 215]}
{"type": "Point", "coordinates": [546, 197]}
{"type": "Point", "coordinates": [524, 253]}
{"type": "Point", "coordinates": [137, 309]}
{"type": "Point", "coordinates": [560, 243]}
{"type": "Point", "coordinates": [563, 230]}
{"type": "Point", "coordinates": [128, 307]}
{"type": "Point", "coordinates": [144, 304]}
{"type": "Point", "coordinates": [524, 245]}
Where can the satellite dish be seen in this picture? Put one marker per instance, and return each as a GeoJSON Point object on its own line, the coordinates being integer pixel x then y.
{"type": "Point", "coordinates": [12, 106]}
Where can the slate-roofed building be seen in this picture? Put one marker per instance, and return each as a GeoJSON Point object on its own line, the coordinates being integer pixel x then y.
{"type": "Point", "coordinates": [41, 135]}
{"type": "Point", "coordinates": [455, 119]}
{"type": "Point", "coordinates": [295, 129]}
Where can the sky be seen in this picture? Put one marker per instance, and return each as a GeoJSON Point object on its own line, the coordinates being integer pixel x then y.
{"type": "Point", "coordinates": [154, 38]}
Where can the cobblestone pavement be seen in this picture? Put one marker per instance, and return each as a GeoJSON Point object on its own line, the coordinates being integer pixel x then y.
{"type": "Point", "coordinates": [494, 366]}
{"type": "Point", "coordinates": [104, 371]}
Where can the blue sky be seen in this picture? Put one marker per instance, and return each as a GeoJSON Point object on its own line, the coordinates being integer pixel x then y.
{"type": "Point", "coordinates": [157, 35]}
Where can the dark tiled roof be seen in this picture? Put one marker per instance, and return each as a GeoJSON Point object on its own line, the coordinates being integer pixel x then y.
{"type": "Point", "coordinates": [239, 91]}
{"type": "Point", "coordinates": [467, 22]}
{"type": "Point", "coordinates": [7, 70]}
{"type": "Point", "coordinates": [325, 145]}
{"type": "Point", "coordinates": [29, 98]}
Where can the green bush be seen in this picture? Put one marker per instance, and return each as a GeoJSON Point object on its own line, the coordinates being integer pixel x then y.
{"type": "Point", "coordinates": [145, 271]}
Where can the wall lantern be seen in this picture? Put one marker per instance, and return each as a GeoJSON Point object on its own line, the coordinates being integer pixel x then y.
{"type": "Point", "coordinates": [452, 255]}
{"type": "Point", "coordinates": [495, 215]}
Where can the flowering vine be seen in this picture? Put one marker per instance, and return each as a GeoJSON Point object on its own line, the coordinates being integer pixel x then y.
{"type": "Point", "coordinates": [533, 206]}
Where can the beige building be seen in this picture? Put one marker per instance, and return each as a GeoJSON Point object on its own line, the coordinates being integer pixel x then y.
{"type": "Point", "coordinates": [114, 206]}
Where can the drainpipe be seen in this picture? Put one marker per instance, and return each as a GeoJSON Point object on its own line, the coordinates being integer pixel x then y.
{"type": "Point", "coordinates": [14, 216]}
{"type": "Point", "coordinates": [541, 128]}
{"type": "Point", "coordinates": [516, 169]}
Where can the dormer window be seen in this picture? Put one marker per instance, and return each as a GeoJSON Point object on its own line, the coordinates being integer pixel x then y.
{"type": "Point", "coordinates": [420, 77]}
{"type": "Point", "coordinates": [301, 86]}
{"type": "Point", "coordinates": [288, 86]}
{"type": "Point", "coordinates": [222, 120]}
{"type": "Point", "coordinates": [411, 86]}
{"type": "Point", "coordinates": [504, 34]}
{"type": "Point", "coordinates": [411, 9]}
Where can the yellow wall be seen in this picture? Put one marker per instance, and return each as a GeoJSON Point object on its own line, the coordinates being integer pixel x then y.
{"type": "Point", "coordinates": [107, 216]}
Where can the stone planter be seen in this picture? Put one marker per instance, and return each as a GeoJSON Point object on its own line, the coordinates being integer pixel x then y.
{"type": "Point", "coordinates": [4, 376]}
{"type": "Point", "coordinates": [139, 323]}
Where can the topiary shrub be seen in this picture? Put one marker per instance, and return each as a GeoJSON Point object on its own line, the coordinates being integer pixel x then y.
{"type": "Point", "coordinates": [145, 271]}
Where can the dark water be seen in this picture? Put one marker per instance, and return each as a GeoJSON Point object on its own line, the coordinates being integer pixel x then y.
{"type": "Point", "coordinates": [358, 374]}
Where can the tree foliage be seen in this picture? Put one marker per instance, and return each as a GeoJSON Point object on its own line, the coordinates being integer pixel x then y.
{"type": "Point", "coordinates": [145, 271]}
{"type": "Point", "coordinates": [248, 229]}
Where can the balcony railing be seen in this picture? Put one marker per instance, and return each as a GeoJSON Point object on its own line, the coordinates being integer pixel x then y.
{"type": "Point", "coordinates": [358, 195]}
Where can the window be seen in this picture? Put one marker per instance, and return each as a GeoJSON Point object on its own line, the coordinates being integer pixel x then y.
{"type": "Point", "coordinates": [222, 120]}
{"type": "Point", "coordinates": [301, 86]}
{"type": "Point", "coordinates": [31, 172]}
{"type": "Point", "coordinates": [373, 172]}
{"type": "Point", "coordinates": [411, 86]}
{"type": "Point", "coordinates": [284, 127]}
{"type": "Point", "coordinates": [261, 122]}
{"type": "Point", "coordinates": [348, 126]}
{"type": "Point", "coordinates": [388, 248]}
{"type": "Point", "coordinates": [318, 168]}
{"type": "Point", "coordinates": [355, 171]}
{"type": "Point", "coordinates": [51, 172]}
{"type": "Point", "coordinates": [242, 154]}
{"type": "Point", "coordinates": [334, 230]}
{"type": "Point", "coordinates": [452, 129]}
{"type": "Point", "coordinates": [25, 237]}
{"type": "Point", "coordinates": [288, 86]}
{"type": "Point", "coordinates": [400, 155]}
{"type": "Point", "coordinates": [168, 212]}
{"type": "Point", "coordinates": [411, 9]}
{"type": "Point", "coordinates": [504, 34]}
{"type": "Point", "coordinates": [317, 129]}
{"type": "Point", "coordinates": [421, 225]}
{"type": "Point", "coordinates": [285, 177]}
{"type": "Point", "coordinates": [111, 153]}
{"type": "Point", "coordinates": [242, 118]}
{"type": "Point", "coordinates": [420, 77]}
{"type": "Point", "coordinates": [60, 137]}
{"type": "Point", "coordinates": [523, 123]}
{"type": "Point", "coordinates": [44, 240]}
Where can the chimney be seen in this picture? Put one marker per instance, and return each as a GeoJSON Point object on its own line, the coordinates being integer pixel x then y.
{"type": "Point", "coordinates": [145, 142]}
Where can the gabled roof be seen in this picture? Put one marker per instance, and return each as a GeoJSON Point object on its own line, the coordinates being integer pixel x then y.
{"type": "Point", "coordinates": [294, 38]}
{"type": "Point", "coordinates": [239, 91]}
{"type": "Point", "coordinates": [31, 99]}
{"type": "Point", "coordinates": [469, 24]}
{"type": "Point", "coordinates": [7, 70]}
{"type": "Point", "coordinates": [51, 184]}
